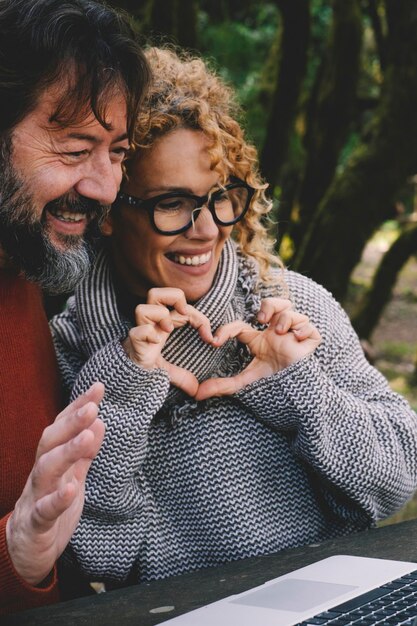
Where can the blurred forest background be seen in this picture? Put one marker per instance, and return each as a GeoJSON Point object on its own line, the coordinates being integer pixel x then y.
{"type": "Point", "coordinates": [329, 94]}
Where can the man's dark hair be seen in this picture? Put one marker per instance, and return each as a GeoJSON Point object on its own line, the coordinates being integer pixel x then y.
{"type": "Point", "coordinates": [83, 45]}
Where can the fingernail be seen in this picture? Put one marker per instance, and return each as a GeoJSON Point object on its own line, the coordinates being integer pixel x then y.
{"type": "Point", "coordinates": [261, 316]}
{"type": "Point", "coordinates": [81, 412]}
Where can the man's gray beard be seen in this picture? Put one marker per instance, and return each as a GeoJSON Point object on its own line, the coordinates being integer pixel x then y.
{"type": "Point", "coordinates": [61, 270]}
{"type": "Point", "coordinates": [26, 241]}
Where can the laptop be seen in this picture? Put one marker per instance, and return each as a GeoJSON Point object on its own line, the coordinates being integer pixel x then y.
{"type": "Point", "coordinates": [336, 591]}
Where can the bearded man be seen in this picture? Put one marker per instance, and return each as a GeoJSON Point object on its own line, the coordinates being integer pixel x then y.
{"type": "Point", "coordinates": [71, 80]}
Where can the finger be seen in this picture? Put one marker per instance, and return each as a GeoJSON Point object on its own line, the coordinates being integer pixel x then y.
{"type": "Point", "coordinates": [287, 320]}
{"type": "Point", "coordinates": [200, 322]}
{"type": "Point", "coordinates": [237, 329]}
{"type": "Point", "coordinates": [51, 466]}
{"type": "Point", "coordinates": [182, 378]}
{"type": "Point", "coordinates": [168, 296]}
{"type": "Point", "coordinates": [98, 429]}
{"type": "Point", "coordinates": [50, 507]}
{"type": "Point", "coordinates": [306, 331]}
{"type": "Point", "coordinates": [179, 319]}
{"type": "Point", "coordinates": [147, 333]}
{"type": "Point", "coordinates": [68, 426]}
{"type": "Point", "coordinates": [196, 319]}
{"type": "Point", "coordinates": [154, 314]}
{"type": "Point", "coordinates": [82, 466]}
{"type": "Point", "coordinates": [223, 386]}
{"type": "Point", "coordinates": [183, 313]}
{"type": "Point", "coordinates": [94, 394]}
{"type": "Point", "coordinates": [270, 306]}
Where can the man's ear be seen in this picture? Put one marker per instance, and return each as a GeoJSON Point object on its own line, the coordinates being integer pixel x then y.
{"type": "Point", "coordinates": [106, 226]}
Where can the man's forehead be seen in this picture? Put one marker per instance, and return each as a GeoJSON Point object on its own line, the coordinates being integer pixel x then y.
{"type": "Point", "coordinates": [79, 119]}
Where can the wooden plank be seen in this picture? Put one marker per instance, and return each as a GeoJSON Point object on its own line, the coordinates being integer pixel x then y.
{"type": "Point", "coordinates": [132, 606]}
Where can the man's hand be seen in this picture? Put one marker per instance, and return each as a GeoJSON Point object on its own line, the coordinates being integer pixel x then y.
{"type": "Point", "coordinates": [47, 512]}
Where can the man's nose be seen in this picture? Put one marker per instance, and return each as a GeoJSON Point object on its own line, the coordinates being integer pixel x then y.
{"type": "Point", "coordinates": [100, 181]}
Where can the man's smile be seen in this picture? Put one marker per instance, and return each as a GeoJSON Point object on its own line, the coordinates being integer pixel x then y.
{"type": "Point", "coordinates": [67, 216]}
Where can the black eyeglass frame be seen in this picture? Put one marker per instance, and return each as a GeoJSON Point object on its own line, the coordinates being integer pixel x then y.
{"type": "Point", "coordinates": [208, 200]}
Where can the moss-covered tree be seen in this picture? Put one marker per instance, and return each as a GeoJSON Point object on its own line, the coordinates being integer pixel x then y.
{"type": "Point", "coordinates": [331, 110]}
{"type": "Point", "coordinates": [354, 205]}
{"type": "Point", "coordinates": [371, 307]}
{"type": "Point", "coordinates": [291, 67]}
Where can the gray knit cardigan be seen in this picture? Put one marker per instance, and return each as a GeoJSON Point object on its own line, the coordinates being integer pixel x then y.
{"type": "Point", "coordinates": [320, 449]}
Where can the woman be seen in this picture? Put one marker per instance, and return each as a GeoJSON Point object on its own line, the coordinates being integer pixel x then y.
{"type": "Point", "coordinates": [241, 415]}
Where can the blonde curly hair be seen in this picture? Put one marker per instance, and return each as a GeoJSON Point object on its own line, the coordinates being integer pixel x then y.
{"type": "Point", "coordinates": [186, 93]}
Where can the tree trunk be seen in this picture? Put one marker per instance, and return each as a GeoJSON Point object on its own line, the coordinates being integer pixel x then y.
{"type": "Point", "coordinates": [353, 207]}
{"type": "Point", "coordinates": [175, 20]}
{"type": "Point", "coordinates": [372, 9]}
{"type": "Point", "coordinates": [292, 67]}
{"type": "Point", "coordinates": [369, 311]}
{"type": "Point", "coordinates": [331, 110]}
{"type": "Point", "coordinates": [163, 19]}
{"type": "Point", "coordinates": [187, 15]}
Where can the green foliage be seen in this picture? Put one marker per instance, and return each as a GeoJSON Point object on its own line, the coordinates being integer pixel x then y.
{"type": "Point", "coordinates": [394, 350]}
{"type": "Point", "coordinates": [239, 50]}
{"type": "Point", "coordinates": [409, 511]}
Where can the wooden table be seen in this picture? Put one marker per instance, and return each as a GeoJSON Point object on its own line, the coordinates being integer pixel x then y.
{"type": "Point", "coordinates": [133, 605]}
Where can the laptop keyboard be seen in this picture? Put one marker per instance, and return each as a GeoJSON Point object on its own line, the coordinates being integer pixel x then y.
{"type": "Point", "coordinates": [391, 604]}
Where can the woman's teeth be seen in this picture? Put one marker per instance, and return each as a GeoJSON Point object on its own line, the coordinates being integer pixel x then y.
{"type": "Point", "coordinates": [198, 259]}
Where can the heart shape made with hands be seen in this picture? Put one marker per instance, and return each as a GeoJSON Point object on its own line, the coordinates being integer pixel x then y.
{"type": "Point", "coordinates": [288, 337]}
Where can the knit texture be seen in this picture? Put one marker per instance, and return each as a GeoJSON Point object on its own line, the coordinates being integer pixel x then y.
{"type": "Point", "coordinates": [320, 449]}
{"type": "Point", "coordinates": [29, 401]}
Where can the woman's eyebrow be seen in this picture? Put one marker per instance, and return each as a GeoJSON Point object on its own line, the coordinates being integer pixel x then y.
{"type": "Point", "coordinates": [173, 189]}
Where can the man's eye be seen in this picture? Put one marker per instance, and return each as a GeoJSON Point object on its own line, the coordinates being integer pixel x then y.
{"type": "Point", "coordinates": [120, 152]}
{"type": "Point", "coordinates": [78, 154]}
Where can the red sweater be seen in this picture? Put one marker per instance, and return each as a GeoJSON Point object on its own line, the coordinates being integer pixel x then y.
{"type": "Point", "coordinates": [29, 401]}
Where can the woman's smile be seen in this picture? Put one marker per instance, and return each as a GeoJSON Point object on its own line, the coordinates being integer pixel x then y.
{"type": "Point", "coordinates": [190, 260]}
{"type": "Point", "coordinates": [180, 162]}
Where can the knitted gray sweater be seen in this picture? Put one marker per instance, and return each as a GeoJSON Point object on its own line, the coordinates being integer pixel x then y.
{"type": "Point", "coordinates": [320, 449]}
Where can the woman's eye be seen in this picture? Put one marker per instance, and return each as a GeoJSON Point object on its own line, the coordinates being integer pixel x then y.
{"type": "Point", "coordinates": [221, 196]}
{"type": "Point", "coordinates": [170, 205]}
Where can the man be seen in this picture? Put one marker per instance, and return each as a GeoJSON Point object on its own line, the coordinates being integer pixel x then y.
{"type": "Point", "coordinates": [71, 80]}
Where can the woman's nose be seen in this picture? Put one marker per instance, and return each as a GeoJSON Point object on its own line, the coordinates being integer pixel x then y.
{"type": "Point", "coordinates": [203, 224]}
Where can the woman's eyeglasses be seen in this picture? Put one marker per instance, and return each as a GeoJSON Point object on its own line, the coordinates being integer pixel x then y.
{"type": "Point", "coordinates": [174, 213]}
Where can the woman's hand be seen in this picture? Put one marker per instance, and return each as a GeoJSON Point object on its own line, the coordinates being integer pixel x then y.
{"type": "Point", "coordinates": [155, 322]}
{"type": "Point", "coordinates": [288, 338]}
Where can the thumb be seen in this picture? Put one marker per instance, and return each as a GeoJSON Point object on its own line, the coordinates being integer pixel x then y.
{"type": "Point", "coordinates": [182, 378]}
